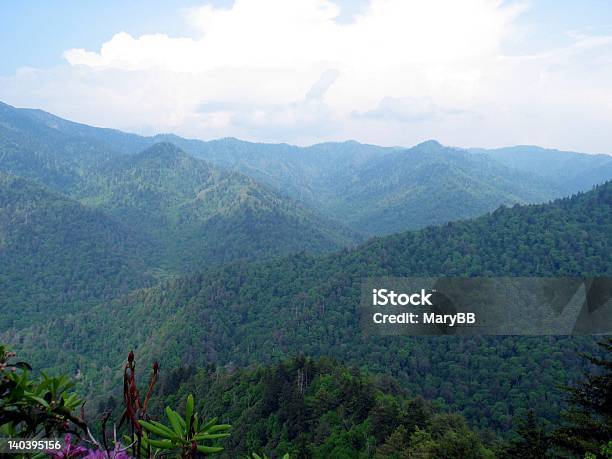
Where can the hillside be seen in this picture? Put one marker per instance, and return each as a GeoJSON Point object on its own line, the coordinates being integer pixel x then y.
{"type": "Point", "coordinates": [379, 191]}
{"type": "Point", "coordinates": [40, 152]}
{"type": "Point", "coordinates": [197, 213]}
{"type": "Point", "coordinates": [190, 213]}
{"type": "Point", "coordinates": [430, 184]}
{"type": "Point", "coordinates": [569, 170]}
{"type": "Point", "coordinates": [318, 409]}
{"type": "Point", "coordinates": [261, 312]}
{"type": "Point", "coordinates": [374, 190]}
{"type": "Point", "coordinates": [54, 251]}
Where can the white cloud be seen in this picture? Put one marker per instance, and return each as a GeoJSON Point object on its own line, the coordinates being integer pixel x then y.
{"type": "Point", "coordinates": [399, 72]}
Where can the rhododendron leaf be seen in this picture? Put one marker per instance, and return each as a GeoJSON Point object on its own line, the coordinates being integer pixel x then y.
{"type": "Point", "coordinates": [189, 412]}
{"type": "Point", "coordinates": [162, 431]}
{"type": "Point", "coordinates": [175, 421]}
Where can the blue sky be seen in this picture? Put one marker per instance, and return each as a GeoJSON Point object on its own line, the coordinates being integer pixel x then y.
{"type": "Point", "coordinates": [491, 73]}
{"type": "Point", "coordinates": [36, 33]}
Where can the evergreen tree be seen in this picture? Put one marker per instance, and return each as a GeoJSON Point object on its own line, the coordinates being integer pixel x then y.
{"type": "Point", "coordinates": [532, 441]}
{"type": "Point", "coordinates": [588, 421]}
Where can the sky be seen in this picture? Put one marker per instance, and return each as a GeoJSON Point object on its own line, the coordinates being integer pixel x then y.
{"type": "Point", "coordinates": [468, 73]}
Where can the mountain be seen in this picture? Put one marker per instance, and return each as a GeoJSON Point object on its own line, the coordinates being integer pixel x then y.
{"type": "Point", "coordinates": [429, 184]}
{"type": "Point", "coordinates": [304, 173]}
{"type": "Point", "coordinates": [40, 152]}
{"type": "Point", "coordinates": [374, 190]}
{"type": "Point", "coordinates": [190, 212]}
{"type": "Point", "coordinates": [250, 313]}
{"type": "Point", "coordinates": [379, 191]}
{"type": "Point", "coordinates": [54, 251]}
{"type": "Point", "coordinates": [121, 142]}
{"type": "Point", "coordinates": [198, 214]}
{"type": "Point", "coordinates": [569, 170]}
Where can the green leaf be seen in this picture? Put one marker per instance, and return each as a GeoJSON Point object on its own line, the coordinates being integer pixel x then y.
{"type": "Point", "coordinates": [175, 421]}
{"type": "Point", "coordinates": [40, 400]}
{"type": "Point", "coordinates": [208, 425]}
{"type": "Point", "coordinates": [189, 412]}
{"type": "Point", "coordinates": [163, 444]}
{"type": "Point", "coordinates": [160, 430]}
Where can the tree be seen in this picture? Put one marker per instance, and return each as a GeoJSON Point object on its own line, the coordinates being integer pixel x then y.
{"type": "Point", "coordinates": [532, 441]}
{"type": "Point", "coordinates": [587, 426]}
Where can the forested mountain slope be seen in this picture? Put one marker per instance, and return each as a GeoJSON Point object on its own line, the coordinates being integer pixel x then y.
{"type": "Point", "coordinates": [197, 213]}
{"type": "Point", "coordinates": [54, 251]}
{"type": "Point", "coordinates": [318, 409]}
{"type": "Point", "coordinates": [430, 184]}
{"type": "Point", "coordinates": [375, 190]}
{"type": "Point", "coordinates": [190, 212]}
{"type": "Point", "coordinates": [139, 218]}
{"type": "Point", "coordinates": [571, 171]}
{"type": "Point", "coordinates": [34, 150]}
{"type": "Point", "coordinates": [260, 312]}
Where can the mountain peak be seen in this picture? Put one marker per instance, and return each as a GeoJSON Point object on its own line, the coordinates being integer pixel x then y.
{"type": "Point", "coordinates": [162, 150]}
{"type": "Point", "coordinates": [432, 144]}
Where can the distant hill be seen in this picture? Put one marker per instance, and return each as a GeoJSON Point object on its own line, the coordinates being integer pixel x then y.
{"type": "Point", "coordinates": [374, 190]}
{"type": "Point", "coordinates": [191, 212]}
{"type": "Point", "coordinates": [379, 191]}
{"type": "Point", "coordinates": [54, 251]}
{"type": "Point", "coordinates": [571, 171]}
{"type": "Point", "coordinates": [430, 184]}
{"type": "Point", "coordinates": [40, 152]}
{"type": "Point", "coordinates": [197, 213]}
{"type": "Point", "coordinates": [261, 312]}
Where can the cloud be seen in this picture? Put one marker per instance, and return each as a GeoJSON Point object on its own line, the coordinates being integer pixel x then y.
{"type": "Point", "coordinates": [406, 110]}
{"type": "Point", "coordinates": [318, 90]}
{"type": "Point", "coordinates": [396, 73]}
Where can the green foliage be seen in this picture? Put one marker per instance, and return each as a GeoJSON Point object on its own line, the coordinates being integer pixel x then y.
{"type": "Point", "coordinates": [58, 254]}
{"type": "Point", "coordinates": [531, 440]}
{"type": "Point", "coordinates": [186, 436]}
{"type": "Point", "coordinates": [29, 407]}
{"type": "Point", "coordinates": [587, 423]}
{"type": "Point", "coordinates": [257, 456]}
{"type": "Point", "coordinates": [196, 213]}
{"type": "Point", "coordinates": [243, 314]}
{"type": "Point", "coordinates": [320, 409]}
{"type": "Point", "coordinates": [161, 212]}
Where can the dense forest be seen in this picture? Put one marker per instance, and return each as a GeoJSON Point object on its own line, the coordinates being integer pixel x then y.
{"type": "Point", "coordinates": [241, 314]}
{"type": "Point", "coordinates": [320, 409]}
{"type": "Point", "coordinates": [196, 213]}
{"type": "Point", "coordinates": [300, 408]}
{"type": "Point", "coordinates": [239, 266]}
{"type": "Point", "coordinates": [371, 189]}
{"type": "Point", "coordinates": [57, 255]}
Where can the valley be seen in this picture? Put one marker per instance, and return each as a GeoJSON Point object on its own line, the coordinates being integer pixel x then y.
{"type": "Point", "coordinates": [218, 257]}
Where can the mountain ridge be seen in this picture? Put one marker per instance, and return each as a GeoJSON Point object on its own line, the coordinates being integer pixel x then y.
{"type": "Point", "coordinates": [343, 180]}
{"type": "Point", "coordinates": [247, 313]}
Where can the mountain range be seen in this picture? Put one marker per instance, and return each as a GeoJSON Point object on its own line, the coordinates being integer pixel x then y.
{"type": "Point", "coordinates": [244, 314]}
{"type": "Point", "coordinates": [370, 189]}
{"type": "Point", "coordinates": [239, 254]}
